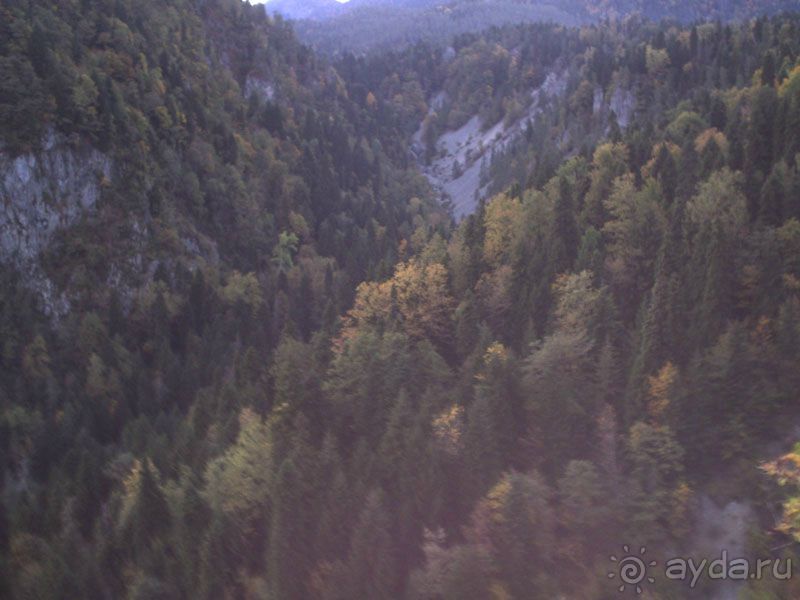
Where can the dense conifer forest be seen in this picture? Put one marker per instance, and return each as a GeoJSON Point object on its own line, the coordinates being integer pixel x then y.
{"type": "Point", "coordinates": [249, 353]}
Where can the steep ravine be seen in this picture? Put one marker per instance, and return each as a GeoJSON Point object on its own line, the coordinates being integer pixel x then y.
{"type": "Point", "coordinates": [455, 170]}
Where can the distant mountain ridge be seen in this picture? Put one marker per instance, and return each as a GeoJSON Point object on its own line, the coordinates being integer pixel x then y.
{"type": "Point", "coordinates": [655, 9]}
{"type": "Point", "coordinates": [361, 25]}
{"type": "Point", "coordinates": [305, 9]}
{"type": "Point", "coordinates": [324, 9]}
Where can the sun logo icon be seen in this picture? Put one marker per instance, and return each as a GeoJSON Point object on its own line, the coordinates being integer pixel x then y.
{"type": "Point", "coordinates": [632, 569]}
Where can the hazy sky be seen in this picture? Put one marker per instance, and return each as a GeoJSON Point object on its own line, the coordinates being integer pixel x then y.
{"type": "Point", "coordinates": [264, 1]}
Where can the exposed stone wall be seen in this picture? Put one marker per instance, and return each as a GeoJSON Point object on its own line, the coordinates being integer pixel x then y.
{"type": "Point", "coordinates": [44, 192]}
{"type": "Point", "coordinates": [41, 193]}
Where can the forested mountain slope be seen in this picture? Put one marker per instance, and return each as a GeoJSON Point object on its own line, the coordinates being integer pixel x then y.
{"type": "Point", "coordinates": [181, 182]}
{"type": "Point", "coordinates": [508, 106]}
{"type": "Point", "coordinates": [246, 355]}
{"type": "Point", "coordinates": [625, 314]}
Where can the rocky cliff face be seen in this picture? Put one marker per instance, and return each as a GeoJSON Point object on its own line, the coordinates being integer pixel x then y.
{"type": "Point", "coordinates": [41, 193]}
{"type": "Point", "coordinates": [44, 192]}
{"type": "Point", "coordinates": [455, 171]}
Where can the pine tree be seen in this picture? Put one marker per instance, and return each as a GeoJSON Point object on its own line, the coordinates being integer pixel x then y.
{"type": "Point", "coordinates": [565, 229]}
{"type": "Point", "coordinates": [296, 381]}
{"type": "Point", "coordinates": [336, 519]}
{"type": "Point", "coordinates": [393, 451]}
{"type": "Point", "coordinates": [524, 535]}
{"type": "Point", "coordinates": [591, 254]}
{"type": "Point", "coordinates": [768, 70]}
{"type": "Point", "coordinates": [372, 563]}
{"type": "Point", "coordinates": [788, 329]}
{"type": "Point", "coordinates": [468, 575]}
{"type": "Point", "coordinates": [761, 135]}
{"type": "Point", "coordinates": [771, 201]}
{"type": "Point", "coordinates": [149, 517]}
{"type": "Point", "coordinates": [607, 445]}
{"type": "Point", "coordinates": [195, 519]}
{"type": "Point", "coordinates": [483, 460]}
{"type": "Point", "coordinates": [498, 382]}
{"type": "Point", "coordinates": [689, 171]}
{"type": "Point", "coordinates": [216, 560]}
{"type": "Point", "coordinates": [584, 500]}
{"type": "Point", "coordinates": [88, 486]}
{"type": "Point", "coordinates": [656, 476]}
{"type": "Point", "coordinates": [715, 303]}
{"type": "Point", "coordinates": [655, 341]}
{"type": "Point", "coordinates": [289, 549]}
{"type": "Point", "coordinates": [665, 170]}
{"type": "Point", "coordinates": [466, 327]}
{"type": "Point", "coordinates": [561, 394]}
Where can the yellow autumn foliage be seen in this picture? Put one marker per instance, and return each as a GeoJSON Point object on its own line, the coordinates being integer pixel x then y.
{"type": "Point", "coordinates": [661, 387]}
{"type": "Point", "coordinates": [416, 297]}
{"type": "Point", "coordinates": [504, 217]}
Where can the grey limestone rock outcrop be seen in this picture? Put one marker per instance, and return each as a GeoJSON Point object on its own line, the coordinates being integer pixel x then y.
{"type": "Point", "coordinates": [46, 191]}
{"type": "Point", "coordinates": [40, 193]}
